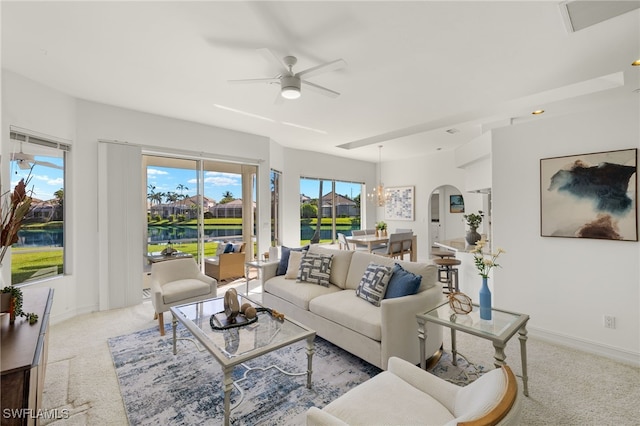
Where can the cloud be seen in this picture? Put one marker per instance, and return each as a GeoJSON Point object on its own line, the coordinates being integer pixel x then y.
{"type": "Point", "coordinates": [222, 179]}
{"type": "Point", "coordinates": [156, 172]}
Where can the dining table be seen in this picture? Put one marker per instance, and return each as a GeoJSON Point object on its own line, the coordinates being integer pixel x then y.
{"type": "Point", "coordinates": [372, 240]}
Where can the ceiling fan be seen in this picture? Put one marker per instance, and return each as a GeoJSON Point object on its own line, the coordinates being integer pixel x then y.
{"type": "Point", "coordinates": [290, 82]}
{"type": "Point", "coordinates": [27, 161]}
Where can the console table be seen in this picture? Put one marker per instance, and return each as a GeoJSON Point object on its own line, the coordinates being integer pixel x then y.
{"type": "Point", "coordinates": [24, 359]}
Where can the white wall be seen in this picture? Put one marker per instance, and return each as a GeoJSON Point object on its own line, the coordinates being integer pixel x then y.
{"type": "Point", "coordinates": [566, 285]}
{"type": "Point", "coordinates": [41, 110]}
{"type": "Point", "coordinates": [427, 173]}
{"type": "Point", "coordinates": [297, 163]}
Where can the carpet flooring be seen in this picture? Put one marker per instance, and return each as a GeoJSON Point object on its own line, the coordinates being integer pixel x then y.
{"type": "Point", "coordinates": [185, 389]}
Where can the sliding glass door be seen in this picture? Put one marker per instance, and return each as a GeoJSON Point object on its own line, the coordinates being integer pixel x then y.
{"type": "Point", "coordinates": [193, 205]}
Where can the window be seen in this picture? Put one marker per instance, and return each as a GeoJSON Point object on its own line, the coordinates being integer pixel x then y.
{"type": "Point", "coordinates": [275, 178]}
{"type": "Point", "coordinates": [39, 252]}
{"type": "Point", "coordinates": [328, 207]}
{"type": "Point", "coordinates": [196, 204]}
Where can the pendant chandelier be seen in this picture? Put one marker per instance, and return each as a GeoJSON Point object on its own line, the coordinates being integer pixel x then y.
{"type": "Point", "coordinates": [379, 193]}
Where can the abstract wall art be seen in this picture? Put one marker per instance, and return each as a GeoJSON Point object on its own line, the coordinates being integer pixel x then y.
{"type": "Point", "coordinates": [590, 196]}
{"type": "Point", "coordinates": [399, 204]}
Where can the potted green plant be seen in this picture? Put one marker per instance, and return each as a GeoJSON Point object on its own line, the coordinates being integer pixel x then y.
{"type": "Point", "coordinates": [13, 210]}
{"type": "Point", "coordinates": [473, 221]}
{"type": "Point", "coordinates": [381, 229]}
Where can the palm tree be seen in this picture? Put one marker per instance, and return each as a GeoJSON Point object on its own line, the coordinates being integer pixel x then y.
{"type": "Point", "coordinates": [182, 196]}
{"type": "Point", "coordinates": [226, 197]}
{"type": "Point", "coordinates": [171, 198]}
{"type": "Point", "coordinates": [316, 235]}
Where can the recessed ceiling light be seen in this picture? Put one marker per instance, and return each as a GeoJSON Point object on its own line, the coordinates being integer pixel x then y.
{"type": "Point", "coordinates": [538, 112]}
{"type": "Point", "coordinates": [636, 63]}
{"type": "Point", "coordinates": [452, 131]}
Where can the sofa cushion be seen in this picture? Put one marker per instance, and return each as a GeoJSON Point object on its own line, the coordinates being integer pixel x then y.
{"type": "Point", "coordinates": [402, 283]}
{"type": "Point", "coordinates": [175, 291]}
{"type": "Point", "coordinates": [428, 272]}
{"type": "Point", "coordinates": [295, 257]}
{"type": "Point", "coordinates": [284, 258]}
{"type": "Point", "coordinates": [373, 283]}
{"type": "Point", "coordinates": [228, 248]}
{"type": "Point", "coordinates": [315, 269]}
{"type": "Point", "coordinates": [344, 308]}
{"type": "Point", "coordinates": [295, 293]}
{"type": "Point", "coordinates": [339, 265]}
{"type": "Point", "coordinates": [220, 249]}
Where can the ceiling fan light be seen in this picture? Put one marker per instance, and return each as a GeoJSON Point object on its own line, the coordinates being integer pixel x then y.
{"type": "Point", "coordinates": [290, 92]}
{"type": "Point", "coordinates": [290, 87]}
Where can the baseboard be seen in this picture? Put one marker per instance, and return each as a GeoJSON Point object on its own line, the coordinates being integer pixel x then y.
{"type": "Point", "coordinates": [616, 354]}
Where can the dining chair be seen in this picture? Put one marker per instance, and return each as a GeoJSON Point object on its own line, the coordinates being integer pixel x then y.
{"type": "Point", "coordinates": [342, 241]}
{"type": "Point", "coordinates": [357, 232]}
{"type": "Point", "coordinates": [399, 244]}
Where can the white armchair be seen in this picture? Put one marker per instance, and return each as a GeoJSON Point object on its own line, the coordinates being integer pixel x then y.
{"type": "Point", "coordinates": [408, 395]}
{"type": "Point", "coordinates": [176, 282]}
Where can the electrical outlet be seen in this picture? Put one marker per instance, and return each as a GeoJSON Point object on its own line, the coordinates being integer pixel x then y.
{"type": "Point", "coordinates": [609, 321]}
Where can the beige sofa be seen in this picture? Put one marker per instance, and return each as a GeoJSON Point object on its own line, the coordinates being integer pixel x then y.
{"type": "Point", "coordinates": [373, 333]}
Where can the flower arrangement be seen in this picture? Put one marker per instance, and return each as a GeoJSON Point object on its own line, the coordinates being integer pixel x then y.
{"type": "Point", "coordinates": [15, 207]}
{"type": "Point", "coordinates": [474, 220]}
{"type": "Point", "coordinates": [381, 225]}
{"type": "Point", "coordinates": [484, 264]}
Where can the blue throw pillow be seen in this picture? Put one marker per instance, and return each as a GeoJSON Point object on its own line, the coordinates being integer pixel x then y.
{"type": "Point", "coordinates": [284, 258]}
{"type": "Point", "coordinates": [228, 248]}
{"type": "Point", "coordinates": [402, 283]}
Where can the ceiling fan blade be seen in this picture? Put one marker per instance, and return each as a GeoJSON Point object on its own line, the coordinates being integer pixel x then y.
{"type": "Point", "coordinates": [47, 164]}
{"type": "Point", "coordinates": [21, 156]}
{"type": "Point", "coordinates": [329, 66]}
{"type": "Point", "coordinates": [319, 89]}
{"type": "Point", "coordinates": [271, 57]}
{"type": "Point", "coordinates": [255, 80]}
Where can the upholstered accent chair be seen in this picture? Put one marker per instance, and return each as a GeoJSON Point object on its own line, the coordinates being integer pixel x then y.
{"type": "Point", "coordinates": [408, 395]}
{"type": "Point", "coordinates": [176, 282]}
{"type": "Point", "coordinates": [229, 264]}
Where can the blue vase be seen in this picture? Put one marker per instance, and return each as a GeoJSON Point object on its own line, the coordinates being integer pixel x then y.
{"type": "Point", "coordinates": [485, 300]}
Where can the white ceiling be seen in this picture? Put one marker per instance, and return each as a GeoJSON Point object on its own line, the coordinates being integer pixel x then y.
{"type": "Point", "coordinates": [415, 69]}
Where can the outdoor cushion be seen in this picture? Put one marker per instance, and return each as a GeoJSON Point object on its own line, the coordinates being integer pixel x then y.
{"type": "Point", "coordinates": [183, 289]}
{"type": "Point", "coordinates": [344, 308]}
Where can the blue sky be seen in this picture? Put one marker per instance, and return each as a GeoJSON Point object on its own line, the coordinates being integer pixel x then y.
{"type": "Point", "coordinates": [216, 183]}
{"type": "Point", "coordinates": [45, 181]}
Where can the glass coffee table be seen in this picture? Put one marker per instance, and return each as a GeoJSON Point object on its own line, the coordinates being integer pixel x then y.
{"type": "Point", "coordinates": [502, 326]}
{"type": "Point", "coordinates": [234, 346]}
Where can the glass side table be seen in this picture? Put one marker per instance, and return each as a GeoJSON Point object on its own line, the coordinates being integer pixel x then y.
{"type": "Point", "coordinates": [499, 330]}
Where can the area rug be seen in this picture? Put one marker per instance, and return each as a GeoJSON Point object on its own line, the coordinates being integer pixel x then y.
{"type": "Point", "coordinates": [185, 389]}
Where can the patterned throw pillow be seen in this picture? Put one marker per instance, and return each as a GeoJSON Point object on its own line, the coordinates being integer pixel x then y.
{"type": "Point", "coordinates": [315, 268]}
{"type": "Point", "coordinates": [373, 283]}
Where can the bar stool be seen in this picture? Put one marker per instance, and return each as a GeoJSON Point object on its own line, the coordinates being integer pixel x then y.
{"type": "Point", "coordinates": [443, 253]}
{"type": "Point", "coordinates": [447, 266]}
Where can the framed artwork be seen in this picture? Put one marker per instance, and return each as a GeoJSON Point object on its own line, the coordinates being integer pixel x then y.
{"type": "Point", "coordinates": [400, 203]}
{"type": "Point", "coordinates": [456, 204]}
{"type": "Point", "coordinates": [590, 196]}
